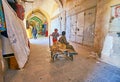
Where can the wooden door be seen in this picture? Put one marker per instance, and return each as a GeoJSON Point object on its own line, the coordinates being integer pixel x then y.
{"type": "Point", "coordinates": [68, 28]}
{"type": "Point", "coordinates": [88, 33]}
{"type": "Point", "coordinates": [73, 28]}
{"type": "Point", "coordinates": [80, 26]}
{"type": "Point", "coordinates": [63, 22]}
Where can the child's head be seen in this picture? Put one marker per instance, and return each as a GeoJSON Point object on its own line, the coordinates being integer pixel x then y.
{"type": "Point", "coordinates": [63, 33]}
{"type": "Point", "coordinates": [55, 30]}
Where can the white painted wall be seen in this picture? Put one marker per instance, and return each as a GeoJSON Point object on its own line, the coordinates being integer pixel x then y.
{"type": "Point", "coordinates": [55, 23]}
{"type": "Point", "coordinates": [111, 51]}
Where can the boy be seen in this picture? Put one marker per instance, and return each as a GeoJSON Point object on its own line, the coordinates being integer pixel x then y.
{"type": "Point", "coordinates": [55, 35]}
{"type": "Point", "coordinates": [63, 40]}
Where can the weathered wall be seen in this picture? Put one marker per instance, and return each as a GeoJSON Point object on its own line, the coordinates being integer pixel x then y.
{"type": "Point", "coordinates": [103, 12]}
{"type": "Point", "coordinates": [55, 23]}
{"type": "Point", "coordinates": [1, 64]}
{"type": "Point", "coordinates": [76, 6]}
{"type": "Point", "coordinates": [102, 16]}
{"type": "Point", "coordinates": [59, 22]}
{"type": "Point", "coordinates": [102, 21]}
{"type": "Point", "coordinates": [81, 11]}
{"type": "Point", "coordinates": [63, 21]}
{"type": "Point", "coordinates": [1, 69]}
{"type": "Point", "coordinates": [73, 7]}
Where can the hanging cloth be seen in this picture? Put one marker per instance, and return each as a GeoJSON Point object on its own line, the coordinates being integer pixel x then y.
{"type": "Point", "coordinates": [20, 11]}
{"type": "Point", "coordinates": [2, 19]}
{"type": "Point", "coordinates": [16, 34]}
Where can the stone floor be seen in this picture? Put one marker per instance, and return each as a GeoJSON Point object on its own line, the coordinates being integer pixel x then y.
{"type": "Point", "coordinates": [82, 69]}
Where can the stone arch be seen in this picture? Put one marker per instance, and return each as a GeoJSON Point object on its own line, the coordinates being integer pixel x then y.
{"type": "Point", "coordinates": [44, 14]}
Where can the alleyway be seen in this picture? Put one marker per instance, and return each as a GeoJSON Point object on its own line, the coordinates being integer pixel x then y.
{"type": "Point", "coordinates": [81, 69]}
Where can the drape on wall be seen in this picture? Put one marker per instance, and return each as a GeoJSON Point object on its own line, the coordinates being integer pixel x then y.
{"type": "Point", "coordinates": [16, 34]}
{"type": "Point", "coordinates": [2, 19]}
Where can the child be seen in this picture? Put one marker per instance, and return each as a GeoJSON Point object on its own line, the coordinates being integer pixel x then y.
{"type": "Point", "coordinates": [64, 41]}
{"type": "Point", "coordinates": [55, 35]}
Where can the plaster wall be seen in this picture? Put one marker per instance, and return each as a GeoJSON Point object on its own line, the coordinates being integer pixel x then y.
{"type": "Point", "coordinates": [103, 13]}
{"type": "Point", "coordinates": [107, 46]}
{"type": "Point", "coordinates": [1, 64]}
{"type": "Point", "coordinates": [102, 21]}
{"type": "Point", "coordinates": [1, 68]}
{"type": "Point", "coordinates": [76, 6]}
{"type": "Point", "coordinates": [63, 21]}
{"type": "Point", "coordinates": [72, 10]}
{"type": "Point", "coordinates": [106, 41]}
{"type": "Point", "coordinates": [55, 23]}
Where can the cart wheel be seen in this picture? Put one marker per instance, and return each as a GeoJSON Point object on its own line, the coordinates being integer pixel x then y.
{"type": "Point", "coordinates": [53, 58]}
{"type": "Point", "coordinates": [56, 55]}
{"type": "Point", "coordinates": [51, 54]}
{"type": "Point", "coordinates": [71, 56]}
{"type": "Point", "coordinates": [66, 53]}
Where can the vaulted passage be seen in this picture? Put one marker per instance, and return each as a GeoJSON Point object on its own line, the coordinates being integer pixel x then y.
{"type": "Point", "coordinates": [60, 41]}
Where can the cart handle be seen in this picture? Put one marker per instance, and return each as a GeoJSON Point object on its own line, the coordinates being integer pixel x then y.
{"type": "Point", "coordinates": [49, 41]}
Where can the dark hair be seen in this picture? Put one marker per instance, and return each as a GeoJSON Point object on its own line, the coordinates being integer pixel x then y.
{"type": "Point", "coordinates": [63, 33]}
{"type": "Point", "coordinates": [55, 29]}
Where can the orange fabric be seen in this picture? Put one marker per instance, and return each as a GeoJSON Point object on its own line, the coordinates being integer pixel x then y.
{"type": "Point", "coordinates": [54, 40]}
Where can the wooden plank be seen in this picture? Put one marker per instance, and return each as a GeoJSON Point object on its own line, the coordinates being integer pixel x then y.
{"type": "Point", "coordinates": [13, 63]}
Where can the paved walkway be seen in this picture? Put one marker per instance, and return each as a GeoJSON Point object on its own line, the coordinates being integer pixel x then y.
{"type": "Point", "coordinates": [82, 69]}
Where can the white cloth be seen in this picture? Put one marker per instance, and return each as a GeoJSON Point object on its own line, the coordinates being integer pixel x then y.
{"type": "Point", "coordinates": [16, 34]}
{"type": "Point", "coordinates": [108, 44]}
{"type": "Point", "coordinates": [6, 46]}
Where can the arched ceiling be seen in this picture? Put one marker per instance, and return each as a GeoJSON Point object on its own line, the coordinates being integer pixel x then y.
{"type": "Point", "coordinates": [48, 6]}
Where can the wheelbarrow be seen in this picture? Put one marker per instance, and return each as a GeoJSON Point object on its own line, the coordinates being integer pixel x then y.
{"type": "Point", "coordinates": [58, 48]}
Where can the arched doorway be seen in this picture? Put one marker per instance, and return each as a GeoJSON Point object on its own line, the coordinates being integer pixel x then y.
{"type": "Point", "coordinates": [38, 20]}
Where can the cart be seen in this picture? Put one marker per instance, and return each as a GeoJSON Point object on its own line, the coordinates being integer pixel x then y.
{"type": "Point", "coordinates": [58, 48]}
